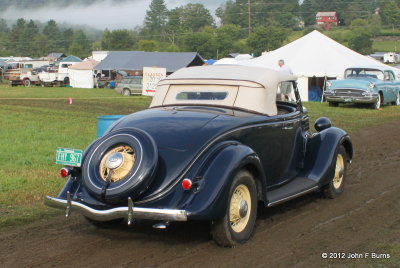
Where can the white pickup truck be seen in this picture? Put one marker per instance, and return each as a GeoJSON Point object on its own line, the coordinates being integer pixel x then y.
{"type": "Point", "coordinates": [58, 76]}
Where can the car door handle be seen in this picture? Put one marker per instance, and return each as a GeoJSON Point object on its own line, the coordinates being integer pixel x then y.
{"type": "Point", "coordinates": [287, 127]}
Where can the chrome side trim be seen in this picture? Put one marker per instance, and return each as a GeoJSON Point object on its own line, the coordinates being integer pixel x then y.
{"type": "Point", "coordinates": [293, 196]}
{"type": "Point", "coordinates": [118, 212]}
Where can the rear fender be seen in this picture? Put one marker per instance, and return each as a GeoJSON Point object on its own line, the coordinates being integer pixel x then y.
{"type": "Point", "coordinates": [210, 201]}
{"type": "Point", "coordinates": [321, 151]}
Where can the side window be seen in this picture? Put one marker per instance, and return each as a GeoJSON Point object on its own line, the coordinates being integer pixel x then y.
{"type": "Point", "coordinates": [389, 76]}
{"type": "Point", "coordinates": [287, 92]}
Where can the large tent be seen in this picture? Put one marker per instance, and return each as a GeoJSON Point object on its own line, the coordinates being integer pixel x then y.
{"type": "Point", "coordinates": [313, 57]}
{"type": "Point", "coordinates": [81, 74]}
{"type": "Point", "coordinates": [137, 60]}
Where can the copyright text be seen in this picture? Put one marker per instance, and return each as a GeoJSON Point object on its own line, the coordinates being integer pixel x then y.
{"type": "Point", "coordinates": [365, 255]}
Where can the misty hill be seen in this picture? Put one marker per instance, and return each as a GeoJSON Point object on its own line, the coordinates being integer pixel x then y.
{"type": "Point", "coordinates": [99, 14]}
{"type": "Point", "coordinates": [4, 4]}
{"type": "Point", "coordinates": [35, 4]}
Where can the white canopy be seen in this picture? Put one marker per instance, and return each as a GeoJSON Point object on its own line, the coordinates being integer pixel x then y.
{"type": "Point", "coordinates": [226, 61]}
{"type": "Point", "coordinates": [233, 61]}
{"type": "Point", "coordinates": [81, 74]}
{"type": "Point", "coordinates": [314, 54]}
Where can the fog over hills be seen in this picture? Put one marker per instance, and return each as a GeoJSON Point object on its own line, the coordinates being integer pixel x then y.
{"type": "Point", "coordinates": [100, 14]}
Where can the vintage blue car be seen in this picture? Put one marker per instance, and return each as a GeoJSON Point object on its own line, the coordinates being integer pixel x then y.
{"type": "Point", "coordinates": [213, 145]}
{"type": "Point", "coordinates": [372, 85]}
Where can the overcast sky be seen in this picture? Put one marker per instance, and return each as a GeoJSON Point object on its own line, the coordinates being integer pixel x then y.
{"type": "Point", "coordinates": [123, 15]}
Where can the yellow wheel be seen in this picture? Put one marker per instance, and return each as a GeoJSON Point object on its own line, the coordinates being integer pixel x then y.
{"type": "Point", "coordinates": [237, 225]}
{"type": "Point", "coordinates": [339, 172]}
{"type": "Point", "coordinates": [335, 187]}
{"type": "Point", "coordinates": [128, 156]}
{"type": "Point", "coordinates": [239, 207]}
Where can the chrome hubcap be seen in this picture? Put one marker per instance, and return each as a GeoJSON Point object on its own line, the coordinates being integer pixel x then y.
{"type": "Point", "coordinates": [115, 160]}
{"type": "Point", "coordinates": [243, 207]}
{"type": "Point", "coordinates": [117, 163]}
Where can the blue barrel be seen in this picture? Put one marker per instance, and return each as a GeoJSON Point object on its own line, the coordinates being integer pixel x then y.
{"type": "Point", "coordinates": [104, 122]}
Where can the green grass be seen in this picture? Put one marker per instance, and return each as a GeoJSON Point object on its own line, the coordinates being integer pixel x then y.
{"type": "Point", "coordinates": [387, 45]}
{"type": "Point", "coordinates": [352, 117]}
{"type": "Point", "coordinates": [31, 130]}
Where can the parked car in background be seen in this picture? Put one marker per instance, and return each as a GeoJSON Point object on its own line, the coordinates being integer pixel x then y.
{"type": "Point", "coordinates": [31, 77]}
{"type": "Point", "coordinates": [24, 72]}
{"type": "Point", "coordinates": [213, 145]}
{"type": "Point", "coordinates": [371, 85]}
{"type": "Point", "coordinates": [130, 85]}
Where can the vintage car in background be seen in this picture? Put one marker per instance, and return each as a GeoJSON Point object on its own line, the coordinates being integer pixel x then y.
{"type": "Point", "coordinates": [27, 78]}
{"type": "Point", "coordinates": [213, 145]}
{"type": "Point", "coordinates": [130, 85]}
{"type": "Point", "coordinates": [372, 85]}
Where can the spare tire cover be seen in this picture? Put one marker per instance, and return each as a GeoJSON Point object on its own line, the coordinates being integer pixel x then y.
{"type": "Point", "coordinates": [135, 174]}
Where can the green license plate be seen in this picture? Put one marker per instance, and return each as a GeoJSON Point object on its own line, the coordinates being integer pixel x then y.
{"type": "Point", "coordinates": [348, 100]}
{"type": "Point", "coordinates": [69, 157]}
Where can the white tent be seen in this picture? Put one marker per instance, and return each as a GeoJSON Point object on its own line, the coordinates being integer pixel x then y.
{"type": "Point", "coordinates": [226, 61]}
{"type": "Point", "coordinates": [81, 74]}
{"type": "Point", "coordinates": [314, 54]}
{"type": "Point", "coordinates": [234, 61]}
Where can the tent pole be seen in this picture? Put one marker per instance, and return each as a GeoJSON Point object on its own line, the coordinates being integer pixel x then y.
{"type": "Point", "coordinates": [323, 89]}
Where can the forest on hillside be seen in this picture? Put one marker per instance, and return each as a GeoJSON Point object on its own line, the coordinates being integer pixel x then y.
{"type": "Point", "coordinates": [242, 26]}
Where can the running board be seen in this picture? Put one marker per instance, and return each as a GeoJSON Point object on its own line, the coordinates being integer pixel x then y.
{"type": "Point", "coordinates": [293, 189]}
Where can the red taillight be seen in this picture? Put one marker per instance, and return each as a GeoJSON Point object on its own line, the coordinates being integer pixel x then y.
{"type": "Point", "coordinates": [186, 184]}
{"type": "Point", "coordinates": [64, 172]}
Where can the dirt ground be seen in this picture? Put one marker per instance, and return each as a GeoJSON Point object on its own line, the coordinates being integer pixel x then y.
{"type": "Point", "coordinates": [365, 219]}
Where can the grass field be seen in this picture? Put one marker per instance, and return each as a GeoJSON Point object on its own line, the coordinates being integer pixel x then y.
{"type": "Point", "coordinates": [35, 121]}
{"type": "Point", "coordinates": [386, 45]}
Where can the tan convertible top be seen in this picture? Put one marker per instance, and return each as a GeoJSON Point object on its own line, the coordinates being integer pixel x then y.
{"type": "Point", "coordinates": [250, 88]}
{"type": "Point", "coordinates": [262, 76]}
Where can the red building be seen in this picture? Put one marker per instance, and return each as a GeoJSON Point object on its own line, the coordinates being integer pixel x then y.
{"type": "Point", "coordinates": [327, 18]}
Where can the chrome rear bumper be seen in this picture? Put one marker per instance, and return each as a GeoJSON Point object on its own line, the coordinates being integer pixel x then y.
{"type": "Point", "coordinates": [130, 212]}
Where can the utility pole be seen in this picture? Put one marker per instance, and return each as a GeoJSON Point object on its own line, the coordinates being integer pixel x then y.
{"type": "Point", "coordinates": [249, 11]}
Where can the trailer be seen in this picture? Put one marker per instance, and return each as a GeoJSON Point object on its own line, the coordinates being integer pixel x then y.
{"type": "Point", "coordinates": [391, 57]}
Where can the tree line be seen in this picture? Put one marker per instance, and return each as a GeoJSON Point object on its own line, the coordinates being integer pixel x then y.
{"type": "Point", "coordinates": [29, 38]}
{"type": "Point", "coordinates": [240, 26]}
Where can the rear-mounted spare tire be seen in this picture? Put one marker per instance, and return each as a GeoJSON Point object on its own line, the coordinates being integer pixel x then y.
{"type": "Point", "coordinates": [135, 157]}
